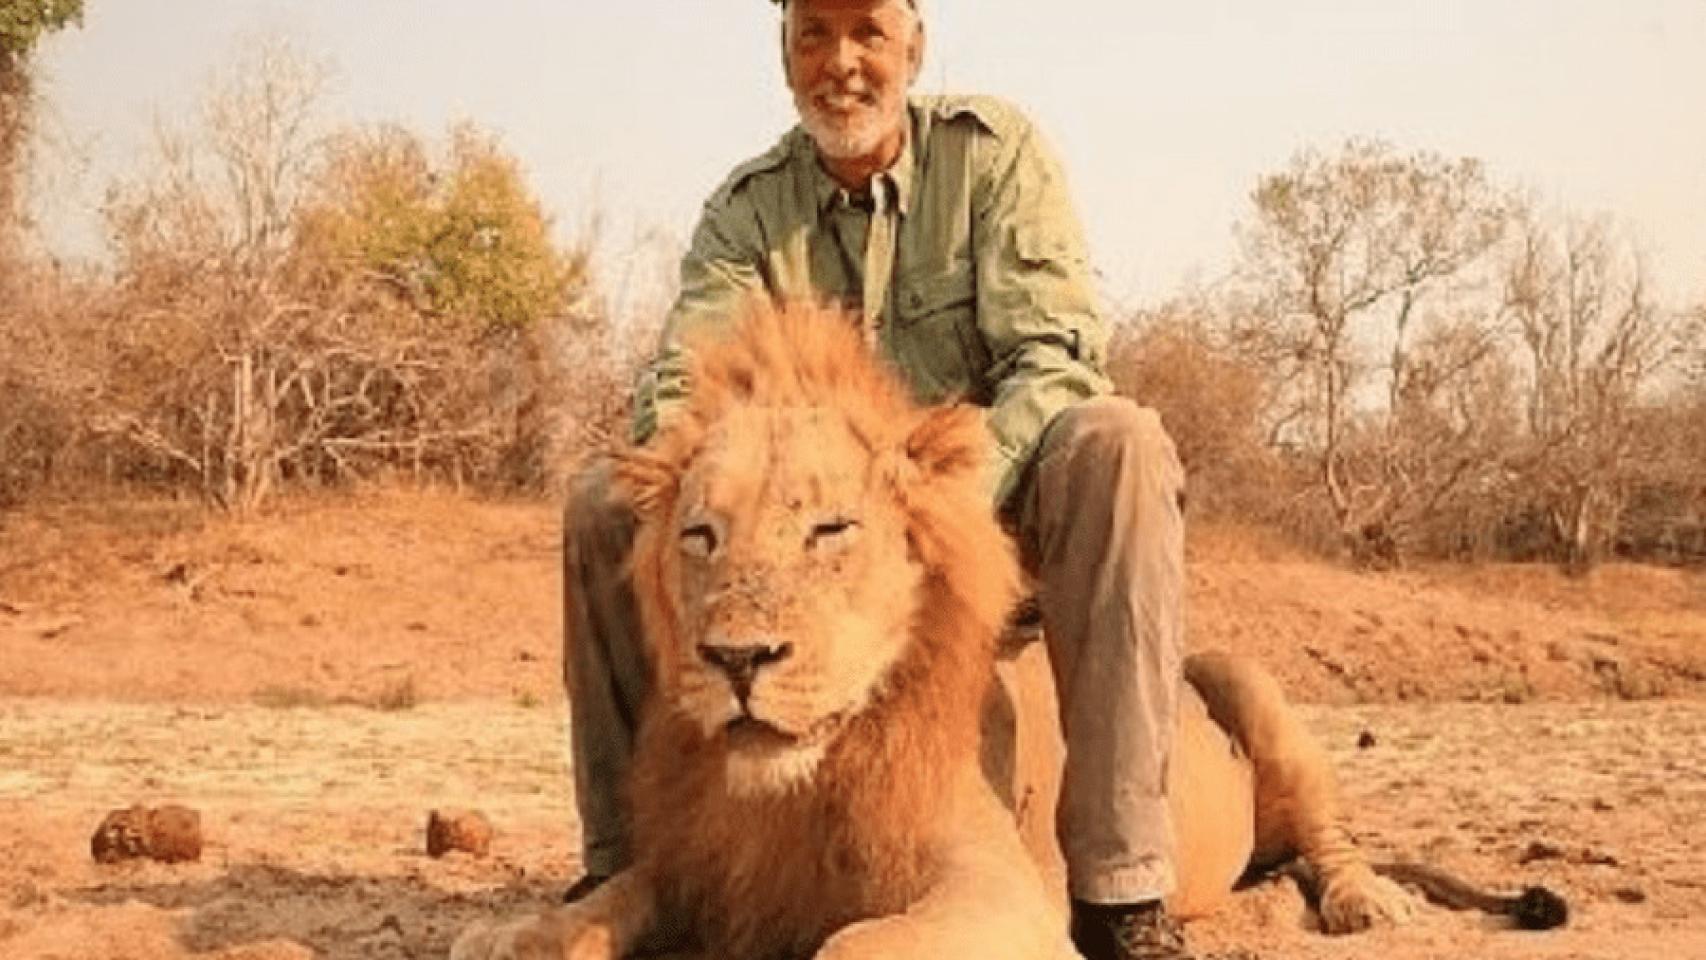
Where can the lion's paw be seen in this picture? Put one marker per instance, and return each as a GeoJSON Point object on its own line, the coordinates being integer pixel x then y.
{"type": "Point", "coordinates": [543, 938]}
{"type": "Point", "coordinates": [1357, 902]}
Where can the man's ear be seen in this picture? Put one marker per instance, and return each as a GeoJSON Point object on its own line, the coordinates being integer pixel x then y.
{"type": "Point", "coordinates": [917, 54]}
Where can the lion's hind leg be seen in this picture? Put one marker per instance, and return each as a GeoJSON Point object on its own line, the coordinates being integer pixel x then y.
{"type": "Point", "coordinates": [1297, 799]}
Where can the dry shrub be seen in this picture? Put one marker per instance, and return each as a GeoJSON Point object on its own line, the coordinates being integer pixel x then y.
{"type": "Point", "coordinates": [44, 436]}
{"type": "Point", "coordinates": [1665, 516]}
{"type": "Point", "coordinates": [290, 310]}
{"type": "Point", "coordinates": [1212, 403]}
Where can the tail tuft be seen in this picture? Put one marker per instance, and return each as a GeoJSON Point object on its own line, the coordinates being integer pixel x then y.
{"type": "Point", "coordinates": [1538, 908]}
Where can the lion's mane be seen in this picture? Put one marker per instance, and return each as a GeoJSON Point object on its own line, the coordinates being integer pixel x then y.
{"type": "Point", "coordinates": [773, 874]}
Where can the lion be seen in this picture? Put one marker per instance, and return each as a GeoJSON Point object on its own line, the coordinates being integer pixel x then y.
{"type": "Point", "coordinates": [824, 589]}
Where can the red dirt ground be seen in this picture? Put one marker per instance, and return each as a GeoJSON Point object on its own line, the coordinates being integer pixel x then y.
{"type": "Point", "coordinates": [316, 679]}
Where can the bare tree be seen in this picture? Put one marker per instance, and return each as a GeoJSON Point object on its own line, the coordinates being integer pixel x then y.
{"type": "Point", "coordinates": [1346, 254]}
{"type": "Point", "coordinates": [200, 246]}
{"type": "Point", "coordinates": [1594, 337]}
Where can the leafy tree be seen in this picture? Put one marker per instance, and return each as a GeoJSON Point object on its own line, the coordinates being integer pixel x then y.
{"type": "Point", "coordinates": [461, 240]}
{"type": "Point", "coordinates": [22, 24]}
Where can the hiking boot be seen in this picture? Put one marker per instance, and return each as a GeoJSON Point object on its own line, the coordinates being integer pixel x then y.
{"type": "Point", "coordinates": [1137, 931]}
{"type": "Point", "coordinates": [585, 885]}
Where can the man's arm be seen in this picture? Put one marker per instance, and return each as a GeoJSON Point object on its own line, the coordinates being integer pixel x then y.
{"type": "Point", "coordinates": [719, 277]}
{"type": "Point", "coordinates": [1035, 307]}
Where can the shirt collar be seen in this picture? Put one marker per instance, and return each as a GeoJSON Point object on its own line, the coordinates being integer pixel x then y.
{"type": "Point", "coordinates": [897, 179]}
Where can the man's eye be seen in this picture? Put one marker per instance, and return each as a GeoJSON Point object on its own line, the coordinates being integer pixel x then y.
{"type": "Point", "coordinates": [699, 540]}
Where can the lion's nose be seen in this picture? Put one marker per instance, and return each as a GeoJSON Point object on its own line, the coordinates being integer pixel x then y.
{"type": "Point", "coordinates": [741, 662]}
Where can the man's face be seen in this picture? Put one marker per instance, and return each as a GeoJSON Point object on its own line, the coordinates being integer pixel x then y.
{"type": "Point", "coordinates": [849, 64]}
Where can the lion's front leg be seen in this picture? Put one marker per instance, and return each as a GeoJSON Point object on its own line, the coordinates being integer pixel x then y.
{"type": "Point", "coordinates": [1353, 897]}
{"type": "Point", "coordinates": [988, 901]}
{"type": "Point", "coordinates": [604, 926]}
{"type": "Point", "coordinates": [983, 932]}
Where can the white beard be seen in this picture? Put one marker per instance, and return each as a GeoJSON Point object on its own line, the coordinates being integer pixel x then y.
{"type": "Point", "coordinates": [858, 139]}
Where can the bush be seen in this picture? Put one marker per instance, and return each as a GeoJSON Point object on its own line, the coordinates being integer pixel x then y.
{"type": "Point", "coordinates": [1212, 404]}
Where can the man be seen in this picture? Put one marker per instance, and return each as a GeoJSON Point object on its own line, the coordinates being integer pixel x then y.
{"type": "Point", "coordinates": [944, 226]}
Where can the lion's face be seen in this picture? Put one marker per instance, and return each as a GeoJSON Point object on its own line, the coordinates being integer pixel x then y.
{"type": "Point", "coordinates": [794, 588]}
{"type": "Point", "coordinates": [811, 543]}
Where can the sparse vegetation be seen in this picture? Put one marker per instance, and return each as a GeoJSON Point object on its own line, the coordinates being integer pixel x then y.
{"type": "Point", "coordinates": [278, 697]}
{"type": "Point", "coordinates": [289, 308]}
{"type": "Point", "coordinates": [1412, 360]}
{"type": "Point", "coordinates": [397, 695]}
{"type": "Point", "coordinates": [1409, 359]}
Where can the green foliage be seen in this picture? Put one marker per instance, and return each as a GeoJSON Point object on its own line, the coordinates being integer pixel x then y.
{"type": "Point", "coordinates": [461, 240]}
{"type": "Point", "coordinates": [22, 23]}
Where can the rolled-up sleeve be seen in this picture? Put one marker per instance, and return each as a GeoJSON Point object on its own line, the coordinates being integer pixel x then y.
{"type": "Point", "coordinates": [719, 278]}
{"type": "Point", "coordinates": [1036, 309]}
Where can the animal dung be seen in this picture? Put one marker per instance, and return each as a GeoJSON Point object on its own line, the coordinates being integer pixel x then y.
{"type": "Point", "coordinates": [169, 834]}
{"type": "Point", "coordinates": [466, 830]}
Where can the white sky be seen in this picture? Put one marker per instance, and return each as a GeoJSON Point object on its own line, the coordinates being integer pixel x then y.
{"type": "Point", "coordinates": [1165, 112]}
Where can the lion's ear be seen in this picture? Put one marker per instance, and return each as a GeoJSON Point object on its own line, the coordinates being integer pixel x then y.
{"type": "Point", "coordinates": [645, 478]}
{"type": "Point", "coordinates": [949, 442]}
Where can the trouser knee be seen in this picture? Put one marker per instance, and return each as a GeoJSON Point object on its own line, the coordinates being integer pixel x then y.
{"type": "Point", "coordinates": [597, 523]}
{"type": "Point", "coordinates": [1122, 442]}
{"type": "Point", "coordinates": [1116, 425]}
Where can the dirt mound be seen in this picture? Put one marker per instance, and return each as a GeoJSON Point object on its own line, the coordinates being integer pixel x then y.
{"type": "Point", "coordinates": [384, 599]}
{"type": "Point", "coordinates": [393, 598]}
{"type": "Point", "coordinates": [1488, 634]}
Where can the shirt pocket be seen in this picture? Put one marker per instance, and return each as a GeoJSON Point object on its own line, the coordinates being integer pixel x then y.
{"type": "Point", "coordinates": [935, 341]}
{"type": "Point", "coordinates": [1046, 243]}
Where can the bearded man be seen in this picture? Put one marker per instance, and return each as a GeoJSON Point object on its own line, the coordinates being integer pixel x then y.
{"type": "Point", "coordinates": [943, 225]}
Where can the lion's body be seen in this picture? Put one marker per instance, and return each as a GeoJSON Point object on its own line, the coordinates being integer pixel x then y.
{"type": "Point", "coordinates": [823, 587]}
{"type": "Point", "coordinates": [1248, 786]}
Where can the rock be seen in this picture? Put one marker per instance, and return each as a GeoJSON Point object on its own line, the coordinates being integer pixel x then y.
{"type": "Point", "coordinates": [1365, 740]}
{"type": "Point", "coordinates": [174, 834]}
{"type": "Point", "coordinates": [466, 830]}
{"type": "Point", "coordinates": [121, 836]}
{"type": "Point", "coordinates": [1540, 850]}
{"type": "Point", "coordinates": [169, 834]}
{"type": "Point", "coordinates": [52, 627]}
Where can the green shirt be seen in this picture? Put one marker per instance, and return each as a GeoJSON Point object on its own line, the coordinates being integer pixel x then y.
{"type": "Point", "coordinates": [965, 260]}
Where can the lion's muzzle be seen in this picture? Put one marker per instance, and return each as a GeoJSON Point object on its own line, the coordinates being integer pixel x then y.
{"type": "Point", "coordinates": [740, 662]}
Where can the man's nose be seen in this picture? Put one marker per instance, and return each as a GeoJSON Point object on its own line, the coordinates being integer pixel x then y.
{"type": "Point", "coordinates": [740, 662]}
{"type": "Point", "coordinates": [843, 58]}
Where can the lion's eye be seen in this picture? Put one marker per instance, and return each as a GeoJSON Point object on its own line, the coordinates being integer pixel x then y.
{"type": "Point", "coordinates": [699, 540]}
{"type": "Point", "coordinates": [831, 533]}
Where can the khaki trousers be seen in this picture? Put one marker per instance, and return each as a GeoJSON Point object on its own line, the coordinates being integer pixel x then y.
{"type": "Point", "coordinates": [1099, 521]}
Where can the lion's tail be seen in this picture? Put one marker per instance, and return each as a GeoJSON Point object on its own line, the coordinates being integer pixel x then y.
{"type": "Point", "coordinates": [1535, 908]}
